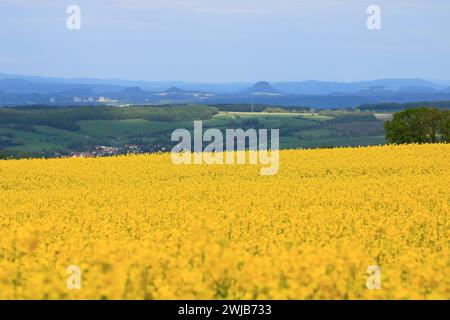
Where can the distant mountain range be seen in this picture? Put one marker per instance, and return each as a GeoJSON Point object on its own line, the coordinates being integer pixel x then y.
{"type": "Point", "coordinates": [28, 90]}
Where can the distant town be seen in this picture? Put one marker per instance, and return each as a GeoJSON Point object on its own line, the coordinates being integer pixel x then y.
{"type": "Point", "coordinates": [108, 151]}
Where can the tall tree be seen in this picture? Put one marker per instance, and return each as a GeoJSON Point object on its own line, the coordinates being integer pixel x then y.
{"type": "Point", "coordinates": [445, 126]}
{"type": "Point", "coordinates": [419, 125]}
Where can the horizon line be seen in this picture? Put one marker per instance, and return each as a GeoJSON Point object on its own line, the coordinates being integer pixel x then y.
{"type": "Point", "coordinates": [215, 82]}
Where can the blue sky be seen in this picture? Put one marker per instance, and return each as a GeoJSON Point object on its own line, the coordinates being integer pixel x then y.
{"type": "Point", "coordinates": [226, 40]}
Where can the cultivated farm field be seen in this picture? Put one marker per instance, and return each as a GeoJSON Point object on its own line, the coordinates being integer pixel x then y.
{"type": "Point", "coordinates": [55, 132]}
{"type": "Point", "coordinates": [140, 227]}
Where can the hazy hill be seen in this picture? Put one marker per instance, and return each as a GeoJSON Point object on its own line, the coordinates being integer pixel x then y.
{"type": "Point", "coordinates": [262, 87]}
{"type": "Point", "coordinates": [25, 90]}
{"type": "Point", "coordinates": [328, 87]}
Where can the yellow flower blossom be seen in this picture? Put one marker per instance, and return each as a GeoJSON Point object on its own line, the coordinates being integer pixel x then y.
{"type": "Point", "coordinates": [140, 227]}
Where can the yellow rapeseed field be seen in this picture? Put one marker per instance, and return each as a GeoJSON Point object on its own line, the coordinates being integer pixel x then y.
{"type": "Point", "coordinates": [140, 227]}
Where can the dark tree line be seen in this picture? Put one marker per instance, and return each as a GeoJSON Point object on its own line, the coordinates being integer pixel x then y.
{"type": "Point", "coordinates": [387, 107]}
{"type": "Point", "coordinates": [67, 118]}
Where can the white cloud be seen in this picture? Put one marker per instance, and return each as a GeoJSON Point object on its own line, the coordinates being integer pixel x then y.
{"type": "Point", "coordinates": [206, 6]}
{"type": "Point", "coordinates": [6, 60]}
